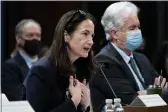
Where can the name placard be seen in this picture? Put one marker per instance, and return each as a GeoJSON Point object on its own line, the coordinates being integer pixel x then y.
{"type": "Point", "coordinates": [4, 99]}
{"type": "Point", "coordinates": [148, 101]}
{"type": "Point", "coordinates": [17, 106]}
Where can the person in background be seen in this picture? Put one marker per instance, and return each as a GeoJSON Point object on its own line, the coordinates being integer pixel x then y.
{"type": "Point", "coordinates": [57, 81]}
{"type": "Point", "coordinates": [161, 59]}
{"type": "Point", "coordinates": [161, 65]}
{"type": "Point", "coordinates": [14, 70]}
{"type": "Point", "coordinates": [128, 72]}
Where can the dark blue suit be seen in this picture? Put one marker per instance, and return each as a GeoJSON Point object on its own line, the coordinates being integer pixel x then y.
{"type": "Point", "coordinates": [13, 74]}
{"type": "Point", "coordinates": [120, 77]}
{"type": "Point", "coordinates": [46, 88]}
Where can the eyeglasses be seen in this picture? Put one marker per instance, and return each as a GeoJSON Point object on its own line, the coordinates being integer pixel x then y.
{"type": "Point", "coordinates": [75, 13]}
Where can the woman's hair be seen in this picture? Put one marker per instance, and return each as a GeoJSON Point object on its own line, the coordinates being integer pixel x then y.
{"type": "Point", "coordinates": [43, 51]}
{"type": "Point", "coordinates": [58, 53]}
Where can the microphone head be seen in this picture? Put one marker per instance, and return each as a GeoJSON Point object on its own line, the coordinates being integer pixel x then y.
{"type": "Point", "coordinates": [103, 64]}
{"type": "Point", "coordinates": [106, 61]}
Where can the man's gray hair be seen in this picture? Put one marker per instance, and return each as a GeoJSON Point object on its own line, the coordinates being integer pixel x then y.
{"type": "Point", "coordinates": [114, 15]}
{"type": "Point", "coordinates": [20, 25]}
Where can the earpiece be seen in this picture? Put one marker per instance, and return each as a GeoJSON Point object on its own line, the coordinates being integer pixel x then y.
{"type": "Point", "coordinates": [66, 37]}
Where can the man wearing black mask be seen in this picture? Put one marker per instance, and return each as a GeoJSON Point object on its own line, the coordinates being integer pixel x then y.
{"type": "Point", "coordinates": [14, 70]}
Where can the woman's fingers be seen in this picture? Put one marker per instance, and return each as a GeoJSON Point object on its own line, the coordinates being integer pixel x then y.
{"type": "Point", "coordinates": [84, 81]}
{"type": "Point", "coordinates": [77, 83]}
{"type": "Point", "coordinates": [71, 81]}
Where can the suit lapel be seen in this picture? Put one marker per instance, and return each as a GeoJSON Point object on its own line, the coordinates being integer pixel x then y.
{"type": "Point", "coordinates": [113, 52]}
{"type": "Point", "coordinates": [22, 64]}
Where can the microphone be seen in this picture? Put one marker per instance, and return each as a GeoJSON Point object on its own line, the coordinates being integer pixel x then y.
{"type": "Point", "coordinates": [107, 66]}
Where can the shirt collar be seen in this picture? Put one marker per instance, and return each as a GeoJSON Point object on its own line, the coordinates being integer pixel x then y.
{"type": "Point", "coordinates": [29, 61]}
{"type": "Point", "coordinates": [123, 54]}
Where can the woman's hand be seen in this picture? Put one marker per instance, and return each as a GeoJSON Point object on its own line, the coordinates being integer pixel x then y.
{"type": "Point", "coordinates": [75, 90]}
{"type": "Point", "coordinates": [85, 101]}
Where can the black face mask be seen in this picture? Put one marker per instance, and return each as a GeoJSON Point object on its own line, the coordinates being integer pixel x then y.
{"type": "Point", "coordinates": [32, 47]}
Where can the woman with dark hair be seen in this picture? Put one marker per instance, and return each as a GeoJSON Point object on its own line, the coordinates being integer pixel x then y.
{"type": "Point", "coordinates": [57, 81]}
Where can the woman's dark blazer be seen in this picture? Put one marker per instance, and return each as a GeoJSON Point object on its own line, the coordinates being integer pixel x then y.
{"type": "Point", "coordinates": [46, 88]}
